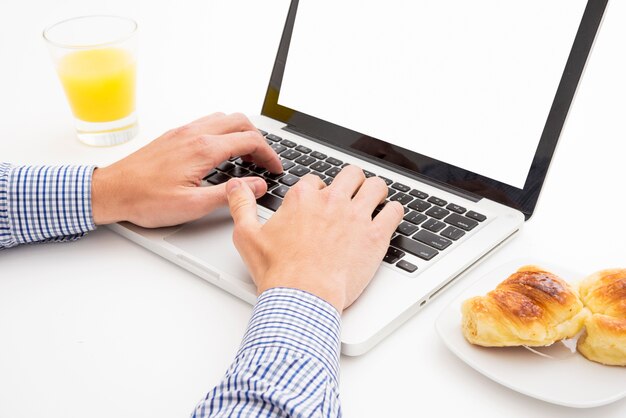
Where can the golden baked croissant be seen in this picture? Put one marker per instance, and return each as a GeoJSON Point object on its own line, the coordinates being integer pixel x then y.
{"type": "Point", "coordinates": [532, 307]}
{"type": "Point", "coordinates": [604, 340]}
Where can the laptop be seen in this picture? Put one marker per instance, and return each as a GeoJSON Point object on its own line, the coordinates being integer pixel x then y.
{"type": "Point", "coordinates": [456, 105]}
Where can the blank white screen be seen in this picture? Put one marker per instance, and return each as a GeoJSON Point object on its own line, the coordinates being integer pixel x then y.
{"type": "Point", "coordinates": [468, 82]}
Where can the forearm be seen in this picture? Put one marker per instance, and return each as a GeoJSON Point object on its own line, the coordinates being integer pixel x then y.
{"type": "Point", "coordinates": [44, 203]}
{"type": "Point", "coordinates": [287, 364]}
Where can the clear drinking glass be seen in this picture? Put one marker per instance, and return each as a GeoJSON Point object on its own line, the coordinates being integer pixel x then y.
{"type": "Point", "coordinates": [95, 59]}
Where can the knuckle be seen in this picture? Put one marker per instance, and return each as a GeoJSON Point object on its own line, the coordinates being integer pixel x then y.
{"type": "Point", "coordinates": [334, 195]}
{"type": "Point", "coordinates": [218, 114]}
{"type": "Point", "coordinates": [183, 130]}
{"type": "Point", "coordinates": [240, 119]}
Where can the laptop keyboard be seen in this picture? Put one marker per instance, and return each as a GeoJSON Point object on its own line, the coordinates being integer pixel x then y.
{"type": "Point", "coordinates": [430, 226]}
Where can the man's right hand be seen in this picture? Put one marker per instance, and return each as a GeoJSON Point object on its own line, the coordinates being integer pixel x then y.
{"type": "Point", "coordinates": [322, 239]}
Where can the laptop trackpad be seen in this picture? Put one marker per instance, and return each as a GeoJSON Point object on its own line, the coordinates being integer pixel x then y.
{"type": "Point", "coordinates": [210, 239]}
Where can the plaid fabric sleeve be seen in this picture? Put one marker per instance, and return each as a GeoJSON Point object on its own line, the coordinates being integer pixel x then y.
{"type": "Point", "coordinates": [288, 362]}
{"type": "Point", "coordinates": [44, 203]}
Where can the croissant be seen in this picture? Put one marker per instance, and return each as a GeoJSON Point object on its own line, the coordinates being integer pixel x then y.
{"type": "Point", "coordinates": [604, 340]}
{"type": "Point", "coordinates": [531, 307]}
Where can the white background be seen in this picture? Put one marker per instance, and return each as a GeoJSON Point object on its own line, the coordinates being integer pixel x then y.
{"type": "Point", "coordinates": [104, 328]}
{"type": "Point", "coordinates": [440, 77]}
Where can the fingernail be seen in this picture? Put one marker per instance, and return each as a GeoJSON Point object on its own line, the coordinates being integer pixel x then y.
{"type": "Point", "coordinates": [232, 185]}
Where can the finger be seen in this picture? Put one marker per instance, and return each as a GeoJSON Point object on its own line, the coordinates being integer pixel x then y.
{"type": "Point", "coordinates": [223, 147]}
{"type": "Point", "coordinates": [235, 122]}
{"type": "Point", "coordinates": [310, 182]}
{"type": "Point", "coordinates": [242, 203]}
{"type": "Point", "coordinates": [213, 197]}
{"type": "Point", "coordinates": [390, 217]}
{"type": "Point", "coordinates": [348, 180]}
{"type": "Point", "coordinates": [373, 192]}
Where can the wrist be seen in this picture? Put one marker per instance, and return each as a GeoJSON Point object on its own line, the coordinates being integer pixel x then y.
{"type": "Point", "coordinates": [105, 197]}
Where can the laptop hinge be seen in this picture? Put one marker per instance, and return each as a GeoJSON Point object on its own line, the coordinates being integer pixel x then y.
{"type": "Point", "coordinates": [400, 170]}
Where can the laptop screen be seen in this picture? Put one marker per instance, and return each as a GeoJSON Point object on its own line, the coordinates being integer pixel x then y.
{"type": "Point", "coordinates": [462, 92]}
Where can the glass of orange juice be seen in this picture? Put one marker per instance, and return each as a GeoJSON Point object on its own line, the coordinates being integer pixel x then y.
{"type": "Point", "coordinates": [95, 60]}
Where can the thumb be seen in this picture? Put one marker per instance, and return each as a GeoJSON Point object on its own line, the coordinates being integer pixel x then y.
{"type": "Point", "coordinates": [242, 202]}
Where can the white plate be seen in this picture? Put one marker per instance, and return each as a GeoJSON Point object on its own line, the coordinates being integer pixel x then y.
{"type": "Point", "coordinates": [555, 374]}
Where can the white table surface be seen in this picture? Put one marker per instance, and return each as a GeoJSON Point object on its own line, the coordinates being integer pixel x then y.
{"type": "Point", "coordinates": [104, 328]}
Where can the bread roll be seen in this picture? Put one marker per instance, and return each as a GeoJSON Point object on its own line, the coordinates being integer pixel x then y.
{"type": "Point", "coordinates": [532, 307]}
{"type": "Point", "coordinates": [604, 340]}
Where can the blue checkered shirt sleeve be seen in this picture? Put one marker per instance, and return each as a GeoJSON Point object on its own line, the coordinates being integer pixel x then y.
{"type": "Point", "coordinates": [288, 362]}
{"type": "Point", "coordinates": [44, 203]}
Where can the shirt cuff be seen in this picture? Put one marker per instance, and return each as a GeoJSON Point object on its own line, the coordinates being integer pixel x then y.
{"type": "Point", "coordinates": [43, 203]}
{"type": "Point", "coordinates": [297, 321]}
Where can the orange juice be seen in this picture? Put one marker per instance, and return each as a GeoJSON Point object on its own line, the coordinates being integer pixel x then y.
{"type": "Point", "coordinates": [99, 83]}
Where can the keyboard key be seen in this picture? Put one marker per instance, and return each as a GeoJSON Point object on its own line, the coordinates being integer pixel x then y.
{"type": "Point", "coordinates": [278, 148]}
{"type": "Point", "coordinates": [270, 184]}
{"type": "Point", "coordinates": [461, 221]}
{"type": "Point", "coordinates": [406, 266]}
{"type": "Point", "coordinates": [288, 143]}
{"type": "Point", "coordinates": [273, 137]}
{"type": "Point", "coordinates": [406, 228]}
{"type": "Point", "coordinates": [320, 166]}
{"type": "Point", "coordinates": [433, 225]}
{"type": "Point", "coordinates": [273, 176]}
{"type": "Point", "coordinates": [345, 165]}
{"type": "Point", "coordinates": [333, 161]}
{"type": "Point", "coordinates": [289, 179]}
{"type": "Point", "coordinates": [287, 164]}
{"type": "Point", "coordinates": [225, 166]}
{"type": "Point", "coordinates": [318, 155]}
{"type": "Point", "coordinates": [269, 142]}
{"type": "Point", "coordinates": [419, 205]}
{"type": "Point", "coordinates": [415, 217]}
{"type": "Point", "coordinates": [437, 201]}
{"type": "Point", "coordinates": [270, 201]}
{"type": "Point", "coordinates": [218, 178]}
{"type": "Point", "coordinates": [401, 197]}
{"type": "Point", "coordinates": [328, 180]}
{"type": "Point", "coordinates": [209, 175]}
{"type": "Point", "coordinates": [419, 194]}
{"type": "Point", "coordinates": [393, 255]}
{"type": "Point", "coordinates": [333, 172]}
{"type": "Point", "coordinates": [387, 181]}
{"type": "Point", "coordinates": [305, 160]}
{"type": "Point", "coordinates": [456, 208]}
{"type": "Point", "coordinates": [237, 171]}
{"type": "Point", "coordinates": [401, 187]}
{"type": "Point", "coordinates": [390, 192]}
{"type": "Point", "coordinates": [262, 132]}
{"type": "Point", "coordinates": [281, 191]}
{"type": "Point", "coordinates": [434, 240]}
{"type": "Point", "coordinates": [303, 149]}
{"type": "Point", "coordinates": [413, 247]}
{"type": "Point", "coordinates": [368, 174]}
{"type": "Point", "coordinates": [452, 233]}
{"type": "Point", "coordinates": [475, 215]}
{"type": "Point", "coordinates": [437, 212]}
{"type": "Point", "coordinates": [299, 171]}
{"type": "Point", "coordinates": [243, 163]}
{"type": "Point", "coordinates": [290, 154]}
{"type": "Point", "coordinates": [258, 170]}
{"type": "Point", "coordinates": [320, 175]}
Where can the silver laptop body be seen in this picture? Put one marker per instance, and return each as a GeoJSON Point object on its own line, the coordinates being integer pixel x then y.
{"type": "Point", "coordinates": [205, 247]}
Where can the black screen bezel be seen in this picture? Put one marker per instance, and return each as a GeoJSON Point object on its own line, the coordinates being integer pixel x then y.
{"type": "Point", "coordinates": [425, 168]}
